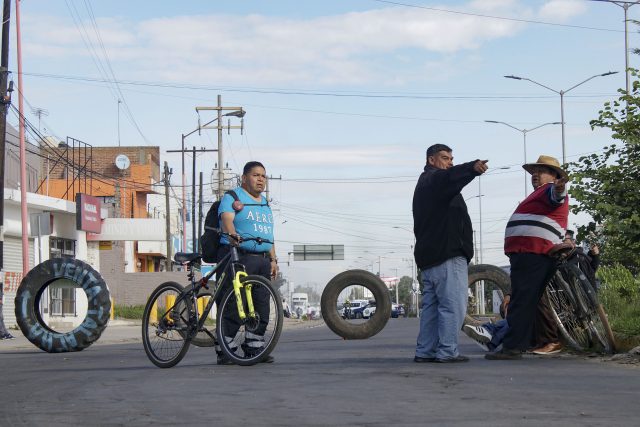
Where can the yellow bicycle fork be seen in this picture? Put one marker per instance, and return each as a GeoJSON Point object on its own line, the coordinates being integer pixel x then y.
{"type": "Point", "coordinates": [237, 286]}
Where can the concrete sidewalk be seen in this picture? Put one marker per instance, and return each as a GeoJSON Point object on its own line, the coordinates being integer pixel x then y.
{"type": "Point", "coordinates": [125, 331]}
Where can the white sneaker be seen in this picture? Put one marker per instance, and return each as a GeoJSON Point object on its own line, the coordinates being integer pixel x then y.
{"type": "Point", "coordinates": [478, 334]}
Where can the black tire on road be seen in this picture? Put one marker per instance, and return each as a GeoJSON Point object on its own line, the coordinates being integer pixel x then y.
{"type": "Point", "coordinates": [329, 303]}
{"type": "Point", "coordinates": [489, 273]}
{"type": "Point", "coordinates": [166, 325]}
{"type": "Point", "coordinates": [31, 289]}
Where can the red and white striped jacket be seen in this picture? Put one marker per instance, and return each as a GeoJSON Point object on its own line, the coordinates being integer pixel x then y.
{"type": "Point", "coordinates": [538, 223]}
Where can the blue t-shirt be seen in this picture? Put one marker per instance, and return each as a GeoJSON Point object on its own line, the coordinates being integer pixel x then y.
{"type": "Point", "coordinates": [254, 220]}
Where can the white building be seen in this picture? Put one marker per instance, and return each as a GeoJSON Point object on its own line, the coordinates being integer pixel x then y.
{"type": "Point", "coordinates": [62, 306]}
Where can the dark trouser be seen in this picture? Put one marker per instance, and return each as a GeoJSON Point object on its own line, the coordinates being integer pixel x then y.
{"type": "Point", "coordinates": [254, 264]}
{"type": "Point", "coordinates": [529, 276]}
{"type": "Point", "coordinates": [545, 327]}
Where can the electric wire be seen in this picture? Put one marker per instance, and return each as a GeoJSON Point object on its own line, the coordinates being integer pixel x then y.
{"type": "Point", "coordinates": [301, 92]}
{"type": "Point", "coordinates": [503, 18]}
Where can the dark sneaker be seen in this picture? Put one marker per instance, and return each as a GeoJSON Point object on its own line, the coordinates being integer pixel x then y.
{"type": "Point", "coordinates": [459, 358]}
{"type": "Point", "coordinates": [419, 359]}
{"type": "Point", "coordinates": [7, 336]}
{"type": "Point", "coordinates": [223, 360]}
{"type": "Point", "coordinates": [504, 354]}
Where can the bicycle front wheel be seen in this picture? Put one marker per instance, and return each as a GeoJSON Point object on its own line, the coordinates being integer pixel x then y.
{"type": "Point", "coordinates": [249, 341]}
{"type": "Point", "coordinates": [562, 302]}
{"type": "Point", "coordinates": [166, 325]}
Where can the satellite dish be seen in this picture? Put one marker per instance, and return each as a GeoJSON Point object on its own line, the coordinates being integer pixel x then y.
{"type": "Point", "coordinates": [122, 162]}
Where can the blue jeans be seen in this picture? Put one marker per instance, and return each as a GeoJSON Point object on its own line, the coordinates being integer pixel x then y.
{"type": "Point", "coordinates": [444, 304]}
{"type": "Point", "coordinates": [497, 330]}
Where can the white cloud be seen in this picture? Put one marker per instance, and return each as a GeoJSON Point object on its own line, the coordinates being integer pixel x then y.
{"type": "Point", "coordinates": [343, 49]}
{"type": "Point", "coordinates": [562, 10]}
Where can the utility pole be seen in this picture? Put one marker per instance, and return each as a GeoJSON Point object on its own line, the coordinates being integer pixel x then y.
{"type": "Point", "coordinates": [234, 111]}
{"type": "Point", "coordinates": [5, 100]}
{"type": "Point", "coordinates": [117, 200]}
{"type": "Point", "coordinates": [167, 174]}
{"type": "Point", "coordinates": [193, 190]}
{"type": "Point", "coordinates": [200, 207]}
{"type": "Point", "coordinates": [267, 186]}
{"type": "Point", "coordinates": [23, 151]}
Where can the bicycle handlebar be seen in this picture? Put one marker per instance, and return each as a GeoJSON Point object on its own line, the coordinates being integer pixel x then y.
{"type": "Point", "coordinates": [258, 240]}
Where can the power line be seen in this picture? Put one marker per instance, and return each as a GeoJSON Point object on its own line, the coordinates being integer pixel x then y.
{"type": "Point", "coordinates": [301, 92]}
{"type": "Point", "coordinates": [503, 18]}
{"type": "Point", "coordinates": [103, 66]}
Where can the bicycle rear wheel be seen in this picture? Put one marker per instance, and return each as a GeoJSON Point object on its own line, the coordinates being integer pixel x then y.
{"type": "Point", "coordinates": [247, 342]}
{"type": "Point", "coordinates": [562, 302]}
{"type": "Point", "coordinates": [166, 325]}
{"type": "Point", "coordinates": [601, 335]}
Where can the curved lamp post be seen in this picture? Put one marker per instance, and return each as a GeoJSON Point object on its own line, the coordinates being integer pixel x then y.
{"type": "Point", "coordinates": [561, 93]}
{"type": "Point", "coordinates": [524, 135]}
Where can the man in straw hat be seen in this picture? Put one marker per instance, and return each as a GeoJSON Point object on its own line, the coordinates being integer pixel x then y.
{"type": "Point", "coordinates": [538, 223]}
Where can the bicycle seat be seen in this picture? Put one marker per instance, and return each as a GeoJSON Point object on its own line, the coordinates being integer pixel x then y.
{"type": "Point", "coordinates": [561, 250]}
{"type": "Point", "coordinates": [187, 257]}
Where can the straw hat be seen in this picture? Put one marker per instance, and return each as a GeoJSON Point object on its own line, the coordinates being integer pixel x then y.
{"type": "Point", "coordinates": [547, 161]}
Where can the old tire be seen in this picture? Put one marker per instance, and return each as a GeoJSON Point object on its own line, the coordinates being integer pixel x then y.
{"type": "Point", "coordinates": [27, 305]}
{"type": "Point", "coordinates": [489, 273]}
{"type": "Point", "coordinates": [329, 302]}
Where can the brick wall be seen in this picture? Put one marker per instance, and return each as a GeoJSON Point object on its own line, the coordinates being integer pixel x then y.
{"type": "Point", "coordinates": [135, 288]}
{"type": "Point", "coordinates": [103, 160]}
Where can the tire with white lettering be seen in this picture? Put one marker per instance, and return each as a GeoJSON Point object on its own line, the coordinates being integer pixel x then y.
{"type": "Point", "coordinates": [333, 318]}
{"type": "Point", "coordinates": [31, 290]}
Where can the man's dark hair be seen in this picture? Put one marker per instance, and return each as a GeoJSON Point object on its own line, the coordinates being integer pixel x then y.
{"type": "Point", "coordinates": [431, 151]}
{"type": "Point", "coordinates": [251, 165]}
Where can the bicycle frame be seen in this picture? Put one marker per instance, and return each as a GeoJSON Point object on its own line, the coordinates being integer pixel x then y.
{"type": "Point", "coordinates": [228, 264]}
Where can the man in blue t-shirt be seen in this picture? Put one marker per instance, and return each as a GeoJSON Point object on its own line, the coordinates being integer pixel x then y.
{"type": "Point", "coordinates": [250, 216]}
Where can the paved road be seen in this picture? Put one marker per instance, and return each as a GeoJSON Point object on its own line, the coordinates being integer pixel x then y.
{"type": "Point", "coordinates": [317, 379]}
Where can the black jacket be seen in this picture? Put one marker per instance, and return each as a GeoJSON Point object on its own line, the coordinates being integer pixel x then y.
{"type": "Point", "coordinates": [441, 222]}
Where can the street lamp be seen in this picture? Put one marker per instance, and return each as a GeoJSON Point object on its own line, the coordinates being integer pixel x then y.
{"type": "Point", "coordinates": [625, 5]}
{"type": "Point", "coordinates": [524, 136]}
{"type": "Point", "coordinates": [233, 111]}
{"type": "Point", "coordinates": [561, 93]}
{"type": "Point", "coordinates": [237, 113]}
{"type": "Point", "coordinates": [480, 195]}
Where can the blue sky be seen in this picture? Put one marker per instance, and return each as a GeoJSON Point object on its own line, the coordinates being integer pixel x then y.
{"type": "Point", "coordinates": [342, 98]}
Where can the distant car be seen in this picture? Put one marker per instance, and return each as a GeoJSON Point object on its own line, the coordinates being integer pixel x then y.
{"type": "Point", "coordinates": [368, 310]}
{"type": "Point", "coordinates": [354, 307]}
{"type": "Point", "coordinates": [397, 310]}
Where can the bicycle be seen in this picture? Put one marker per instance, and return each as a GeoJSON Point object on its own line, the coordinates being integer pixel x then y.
{"type": "Point", "coordinates": [574, 303]}
{"type": "Point", "coordinates": [246, 334]}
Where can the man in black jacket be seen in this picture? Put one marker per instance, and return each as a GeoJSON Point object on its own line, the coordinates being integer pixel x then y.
{"type": "Point", "coordinates": [444, 247]}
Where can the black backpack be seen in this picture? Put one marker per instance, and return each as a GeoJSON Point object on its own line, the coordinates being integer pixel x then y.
{"type": "Point", "coordinates": [210, 239]}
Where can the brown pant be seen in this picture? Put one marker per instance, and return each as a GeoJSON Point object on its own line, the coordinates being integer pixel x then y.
{"type": "Point", "coordinates": [545, 328]}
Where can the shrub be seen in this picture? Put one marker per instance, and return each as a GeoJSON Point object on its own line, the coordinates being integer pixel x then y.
{"type": "Point", "coordinates": [620, 296]}
{"type": "Point", "coordinates": [129, 312]}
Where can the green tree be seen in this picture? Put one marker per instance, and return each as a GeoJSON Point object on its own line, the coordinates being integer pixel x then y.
{"type": "Point", "coordinates": [606, 185]}
{"type": "Point", "coordinates": [404, 292]}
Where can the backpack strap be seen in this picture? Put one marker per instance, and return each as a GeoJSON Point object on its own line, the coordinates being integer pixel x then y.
{"type": "Point", "coordinates": [236, 198]}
